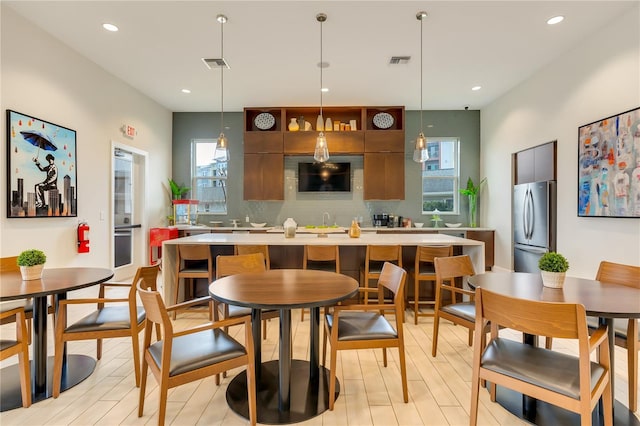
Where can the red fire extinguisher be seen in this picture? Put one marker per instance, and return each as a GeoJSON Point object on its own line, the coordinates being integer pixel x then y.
{"type": "Point", "coordinates": [83, 237]}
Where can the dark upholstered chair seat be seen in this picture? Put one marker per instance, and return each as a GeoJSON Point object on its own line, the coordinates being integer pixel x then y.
{"type": "Point", "coordinates": [544, 368]}
{"type": "Point", "coordinates": [6, 344]}
{"type": "Point", "coordinates": [317, 265]}
{"type": "Point", "coordinates": [238, 311]}
{"type": "Point", "coordinates": [466, 310]}
{"type": "Point", "coordinates": [362, 326]}
{"type": "Point", "coordinates": [197, 350]}
{"type": "Point", "coordinates": [107, 318]}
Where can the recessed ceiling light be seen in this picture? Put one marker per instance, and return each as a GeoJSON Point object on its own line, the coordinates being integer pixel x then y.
{"type": "Point", "coordinates": [324, 89]}
{"type": "Point", "coordinates": [186, 91]}
{"type": "Point", "coordinates": [555, 20]}
{"type": "Point", "coordinates": [110, 27]}
{"type": "Point", "coordinates": [476, 88]}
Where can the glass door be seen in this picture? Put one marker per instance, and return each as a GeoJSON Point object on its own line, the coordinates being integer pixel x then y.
{"type": "Point", "coordinates": [122, 207]}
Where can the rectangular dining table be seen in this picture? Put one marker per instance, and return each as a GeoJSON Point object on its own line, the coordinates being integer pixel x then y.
{"type": "Point", "coordinates": [76, 368]}
{"type": "Point", "coordinates": [288, 391]}
{"type": "Point", "coordinates": [600, 299]}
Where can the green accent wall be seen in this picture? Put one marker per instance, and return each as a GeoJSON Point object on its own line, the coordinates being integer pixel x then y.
{"type": "Point", "coordinates": [306, 209]}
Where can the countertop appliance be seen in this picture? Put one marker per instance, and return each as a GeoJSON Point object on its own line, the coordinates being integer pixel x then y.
{"type": "Point", "coordinates": [534, 223]}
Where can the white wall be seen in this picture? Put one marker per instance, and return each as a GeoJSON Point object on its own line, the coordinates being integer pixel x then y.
{"type": "Point", "coordinates": [597, 79]}
{"type": "Point", "coordinates": [44, 78]}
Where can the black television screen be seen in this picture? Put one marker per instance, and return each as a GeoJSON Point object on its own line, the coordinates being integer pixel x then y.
{"type": "Point", "coordinates": [324, 177]}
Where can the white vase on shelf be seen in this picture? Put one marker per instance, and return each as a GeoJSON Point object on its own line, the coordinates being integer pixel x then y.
{"type": "Point", "coordinates": [320, 124]}
{"type": "Point", "coordinates": [328, 125]}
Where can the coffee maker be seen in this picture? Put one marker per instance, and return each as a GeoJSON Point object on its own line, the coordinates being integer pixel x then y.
{"type": "Point", "coordinates": [380, 219]}
{"type": "Point", "coordinates": [385, 220]}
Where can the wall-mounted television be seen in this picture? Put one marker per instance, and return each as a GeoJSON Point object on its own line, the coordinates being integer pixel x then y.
{"type": "Point", "coordinates": [324, 177]}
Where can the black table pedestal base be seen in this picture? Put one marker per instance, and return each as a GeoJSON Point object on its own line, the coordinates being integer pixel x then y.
{"type": "Point", "coordinates": [550, 415]}
{"type": "Point", "coordinates": [307, 399]}
{"type": "Point", "coordinates": [79, 367]}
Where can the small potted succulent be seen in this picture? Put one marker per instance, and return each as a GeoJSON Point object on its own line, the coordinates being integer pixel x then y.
{"type": "Point", "coordinates": [553, 267]}
{"type": "Point", "coordinates": [31, 263]}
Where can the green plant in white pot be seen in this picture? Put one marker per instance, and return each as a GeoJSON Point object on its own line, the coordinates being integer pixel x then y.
{"type": "Point", "coordinates": [553, 267]}
{"type": "Point", "coordinates": [31, 263]}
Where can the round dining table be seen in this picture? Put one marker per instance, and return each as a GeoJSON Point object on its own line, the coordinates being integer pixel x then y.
{"type": "Point", "coordinates": [75, 368]}
{"type": "Point", "coordinates": [600, 299]}
{"type": "Point", "coordinates": [288, 391]}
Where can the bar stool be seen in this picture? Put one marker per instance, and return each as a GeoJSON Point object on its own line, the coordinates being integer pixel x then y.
{"type": "Point", "coordinates": [323, 258]}
{"type": "Point", "coordinates": [193, 261]}
{"type": "Point", "coordinates": [425, 270]}
{"type": "Point", "coordinates": [375, 257]}
{"type": "Point", "coordinates": [252, 249]}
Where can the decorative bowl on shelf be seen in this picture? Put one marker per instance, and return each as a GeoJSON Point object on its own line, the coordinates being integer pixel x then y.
{"type": "Point", "coordinates": [258, 225]}
{"type": "Point", "coordinates": [418, 224]}
{"type": "Point", "coordinates": [452, 225]}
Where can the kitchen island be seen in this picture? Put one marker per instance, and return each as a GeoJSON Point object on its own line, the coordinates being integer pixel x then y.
{"type": "Point", "coordinates": [287, 252]}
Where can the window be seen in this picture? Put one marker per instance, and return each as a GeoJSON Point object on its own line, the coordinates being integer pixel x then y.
{"type": "Point", "coordinates": [208, 177]}
{"type": "Point", "coordinates": [441, 176]}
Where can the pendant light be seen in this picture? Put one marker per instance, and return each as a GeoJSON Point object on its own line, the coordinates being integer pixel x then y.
{"type": "Point", "coordinates": [420, 153]}
{"type": "Point", "coordinates": [221, 153]}
{"type": "Point", "coordinates": [321, 152]}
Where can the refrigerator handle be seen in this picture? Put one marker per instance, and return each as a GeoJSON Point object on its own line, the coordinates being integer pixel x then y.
{"type": "Point", "coordinates": [531, 214]}
{"type": "Point", "coordinates": [525, 214]}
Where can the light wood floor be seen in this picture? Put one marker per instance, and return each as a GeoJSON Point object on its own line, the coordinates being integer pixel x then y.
{"type": "Point", "coordinates": [439, 388]}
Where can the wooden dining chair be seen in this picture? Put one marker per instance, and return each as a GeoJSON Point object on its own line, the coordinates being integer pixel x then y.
{"type": "Point", "coordinates": [250, 249]}
{"type": "Point", "coordinates": [460, 312]}
{"type": "Point", "coordinates": [238, 264]}
{"type": "Point", "coordinates": [18, 346]}
{"type": "Point", "coordinates": [627, 333]}
{"type": "Point", "coordinates": [10, 264]}
{"type": "Point", "coordinates": [184, 356]}
{"type": "Point", "coordinates": [193, 261]}
{"type": "Point", "coordinates": [112, 317]}
{"type": "Point", "coordinates": [424, 270]}
{"type": "Point", "coordinates": [375, 256]}
{"type": "Point", "coordinates": [574, 383]}
{"type": "Point", "coordinates": [364, 326]}
{"type": "Point", "coordinates": [323, 258]}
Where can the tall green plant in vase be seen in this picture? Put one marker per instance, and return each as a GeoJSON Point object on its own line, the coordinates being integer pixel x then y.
{"type": "Point", "coordinates": [472, 191]}
{"type": "Point", "coordinates": [177, 191]}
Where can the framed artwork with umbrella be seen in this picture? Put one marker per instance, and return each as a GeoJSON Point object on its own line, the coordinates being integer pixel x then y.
{"type": "Point", "coordinates": [41, 168]}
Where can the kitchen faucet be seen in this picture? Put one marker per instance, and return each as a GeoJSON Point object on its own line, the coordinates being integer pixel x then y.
{"type": "Point", "coordinates": [328, 218]}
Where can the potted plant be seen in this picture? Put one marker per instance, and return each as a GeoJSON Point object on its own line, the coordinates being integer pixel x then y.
{"type": "Point", "coordinates": [177, 191]}
{"type": "Point", "coordinates": [553, 267]}
{"type": "Point", "coordinates": [472, 192]}
{"type": "Point", "coordinates": [31, 263]}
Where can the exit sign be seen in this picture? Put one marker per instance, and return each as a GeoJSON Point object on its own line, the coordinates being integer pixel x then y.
{"type": "Point", "coordinates": [129, 131]}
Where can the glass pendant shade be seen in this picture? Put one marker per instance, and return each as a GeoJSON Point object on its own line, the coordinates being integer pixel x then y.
{"type": "Point", "coordinates": [321, 153]}
{"type": "Point", "coordinates": [420, 153]}
{"type": "Point", "coordinates": [221, 154]}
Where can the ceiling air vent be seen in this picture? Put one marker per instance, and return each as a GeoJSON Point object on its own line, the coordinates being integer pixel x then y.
{"type": "Point", "coordinates": [215, 63]}
{"type": "Point", "coordinates": [395, 60]}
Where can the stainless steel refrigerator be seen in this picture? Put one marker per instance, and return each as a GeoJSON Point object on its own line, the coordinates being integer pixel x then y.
{"type": "Point", "coordinates": [534, 223]}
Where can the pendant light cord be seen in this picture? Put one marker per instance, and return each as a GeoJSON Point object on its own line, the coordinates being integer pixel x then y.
{"type": "Point", "coordinates": [421, 60]}
{"type": "Point", "coordinates": [321, 66]}
{"type": "Point", "coordinates": [222, 78]}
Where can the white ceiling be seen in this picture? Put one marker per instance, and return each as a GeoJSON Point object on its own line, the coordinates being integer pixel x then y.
{"type": "Point", "coordinates": [273, 48]}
